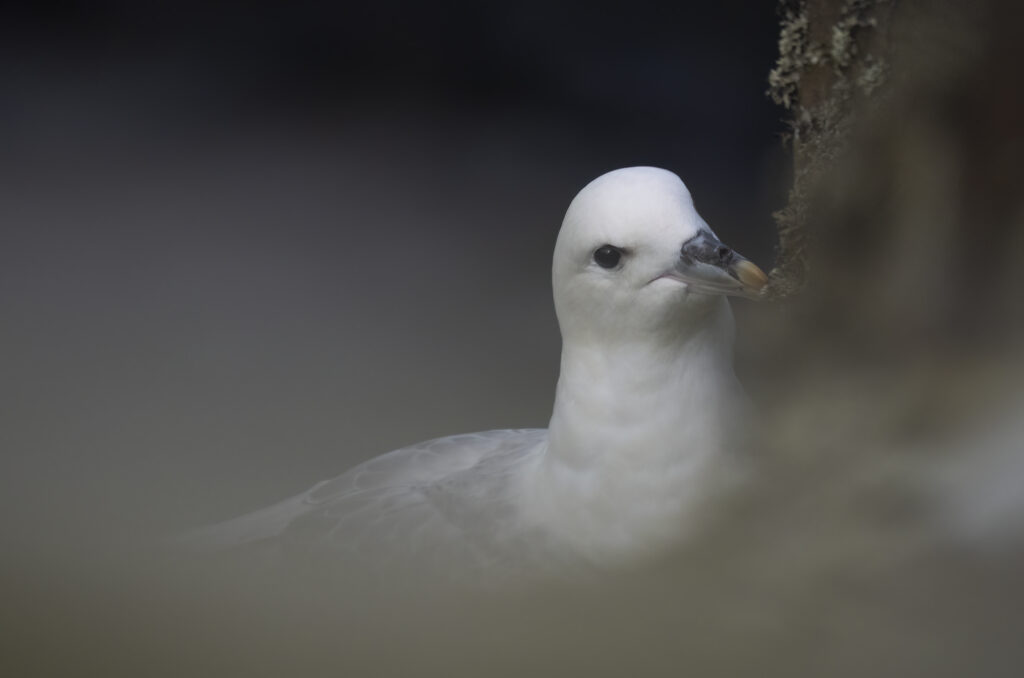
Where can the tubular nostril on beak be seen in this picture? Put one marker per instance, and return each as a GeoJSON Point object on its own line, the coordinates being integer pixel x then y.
{"type": "Point", "coordinates": [706, 249]}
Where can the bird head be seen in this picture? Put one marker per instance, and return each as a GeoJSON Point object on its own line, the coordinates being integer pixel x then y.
{"type": "Point", "coordinates": [633, 259]}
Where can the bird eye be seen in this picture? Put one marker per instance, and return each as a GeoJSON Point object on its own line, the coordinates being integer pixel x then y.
{"type": "Point", "coordinates": [607, 256]}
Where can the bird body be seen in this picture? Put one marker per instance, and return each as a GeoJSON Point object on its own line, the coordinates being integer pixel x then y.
{"type": "Point", "coordinates": [634, 440]}
{"type": "Point", "coordinates": [645, 404]}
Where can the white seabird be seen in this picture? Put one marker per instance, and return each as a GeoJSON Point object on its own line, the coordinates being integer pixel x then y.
{"type": "Point", "coordinates": [643, 411]}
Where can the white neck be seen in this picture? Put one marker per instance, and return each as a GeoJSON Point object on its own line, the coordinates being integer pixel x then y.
{"type": "Point", "coordinates": [634, 428]}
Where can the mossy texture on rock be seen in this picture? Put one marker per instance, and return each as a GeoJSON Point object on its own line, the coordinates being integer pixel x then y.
{"type": "Point", "coordinates": [830, 58]}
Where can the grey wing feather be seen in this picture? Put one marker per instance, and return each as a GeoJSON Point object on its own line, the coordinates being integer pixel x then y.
{"type": "Point", "coordinates": [439, 495]}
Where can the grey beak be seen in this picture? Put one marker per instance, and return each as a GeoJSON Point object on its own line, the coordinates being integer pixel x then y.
{"type": "Point", "coordinates": [707, 265]}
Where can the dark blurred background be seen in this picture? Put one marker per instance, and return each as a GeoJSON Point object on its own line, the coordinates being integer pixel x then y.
{"type": "Point", "coordinates": [247, 245]}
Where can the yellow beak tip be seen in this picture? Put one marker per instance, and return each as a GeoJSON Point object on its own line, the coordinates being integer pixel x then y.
{"type": "Point", "coordinates": [751, 276]}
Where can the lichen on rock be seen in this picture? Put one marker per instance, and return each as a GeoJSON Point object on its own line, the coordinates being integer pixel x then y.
{"type": "Point", "coordinates": [828, 62]}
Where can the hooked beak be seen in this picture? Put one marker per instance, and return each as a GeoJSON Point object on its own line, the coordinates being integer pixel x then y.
{"type": "Point", "coordinates": [708, 266]}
